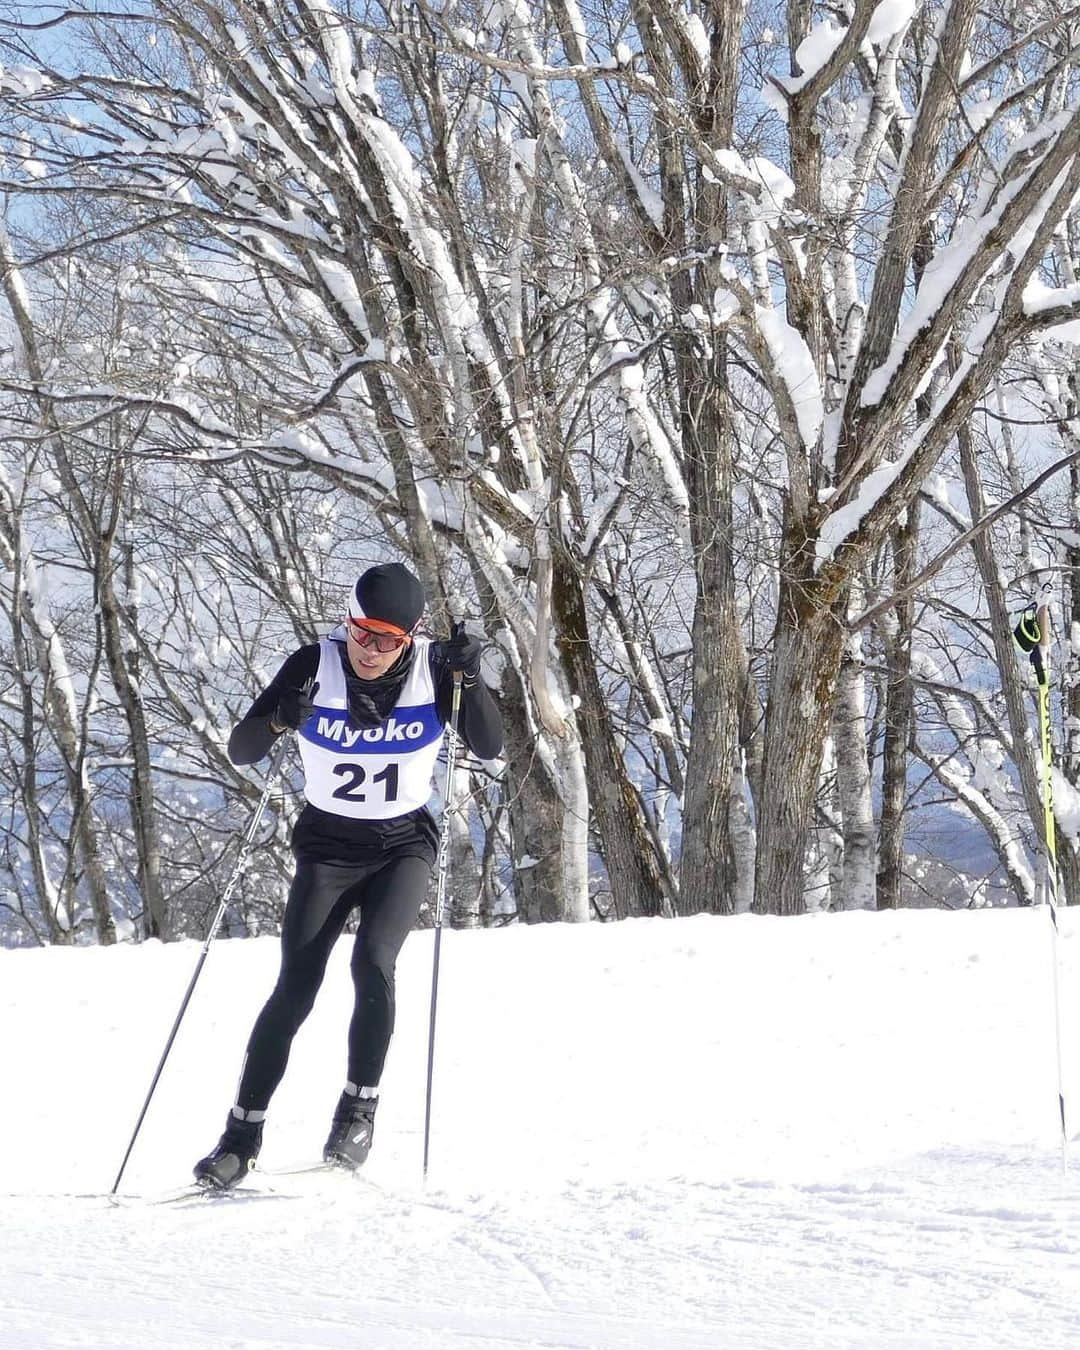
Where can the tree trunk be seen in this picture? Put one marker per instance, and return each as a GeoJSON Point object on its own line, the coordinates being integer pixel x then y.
{"type": "Point", "coordinates": [122, 657]}
{"type": "Point", "coordinates": [1069, 856]}
{"type": "Point", "coordinates": [707, 873]}
{"type": "Point", "coordinates": [634, 871]}
{"type": "Point", "coordinates": [899, 718]}
{"type": "Point", "coordinates": [807, 645]}
{"type": "Point", "coordinates": [534, 811]}
{"type": "Point", "coordinates": [48, 894]}
{"type": "Point", "coordinates": [823, 888]}
{"type": "Point", "coordinates": [1025, 752]}
{"type": "Point", "coordinates": [857, 889]}
{"type": "Point", "coordinates": [466, 882]}
{"type": "Point", "coordinates": [899, 691]}
{"type": "Point", "coordinates": [574, 786]}
{"type": "Point", "coordinates": [743, 840]}
{"type": "Point", "coordinates": [70, 739]}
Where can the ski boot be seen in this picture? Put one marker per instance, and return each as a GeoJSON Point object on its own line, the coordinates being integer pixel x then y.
{"type": "Point", "coordinates": [234, 1156]}
{"type": "Point", "coordinates": [352, 1132]}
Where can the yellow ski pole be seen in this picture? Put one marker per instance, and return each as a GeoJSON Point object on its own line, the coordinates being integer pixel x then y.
{"type": "Point", "coordinates": [1033, 636]}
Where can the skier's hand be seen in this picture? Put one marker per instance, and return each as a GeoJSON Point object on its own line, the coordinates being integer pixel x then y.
{"type": "Point", "coordinates": [461, 652]}
{"type": "Point", "coordinates": [293, 710]}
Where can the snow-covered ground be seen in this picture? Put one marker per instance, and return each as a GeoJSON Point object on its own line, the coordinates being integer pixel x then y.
{"type": "Point", "coordinates": [762, 1134]}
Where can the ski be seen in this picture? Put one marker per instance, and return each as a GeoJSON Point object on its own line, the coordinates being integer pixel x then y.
{"type": "Point", "coordinates": [312, 1169]}
{"type": "Point", "coordinates": [211, 1195]}
{"type": "Point", "coordinates": [198, 1193]}
{"type": "Point", "coordinates": [307, 1169]}
{"type": "Point", "coordinates": [195, 1192]}
{"type": "Point", "coordinates": [259, 1184]}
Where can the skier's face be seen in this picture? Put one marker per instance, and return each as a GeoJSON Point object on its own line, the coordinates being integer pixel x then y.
{"type": "Point", "coordinates": [373, 650]}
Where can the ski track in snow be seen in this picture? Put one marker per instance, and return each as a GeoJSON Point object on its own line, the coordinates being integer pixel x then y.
{"type": "Point", "coordinates": [573, 1205]}
{"type": "Point", "coordinates": [681, 1264]}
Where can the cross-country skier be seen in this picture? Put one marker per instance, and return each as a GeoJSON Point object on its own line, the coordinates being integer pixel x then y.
{"type": "Point", "coordinates": [369, 704]}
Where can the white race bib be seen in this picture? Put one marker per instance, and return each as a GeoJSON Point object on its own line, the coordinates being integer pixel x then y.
{"type": "Point", "coordinates": [371, 773]}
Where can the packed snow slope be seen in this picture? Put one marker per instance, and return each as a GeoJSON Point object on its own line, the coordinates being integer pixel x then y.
{"type": "Point", "coordinates": [763, 1134]}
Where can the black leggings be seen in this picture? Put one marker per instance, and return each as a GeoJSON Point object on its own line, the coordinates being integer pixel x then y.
{"type": "Point", "coordinates": [389, 894]}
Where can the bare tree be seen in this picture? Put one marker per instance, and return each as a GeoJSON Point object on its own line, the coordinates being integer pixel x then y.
{"type": "Point", "coordinates": [542, 294]}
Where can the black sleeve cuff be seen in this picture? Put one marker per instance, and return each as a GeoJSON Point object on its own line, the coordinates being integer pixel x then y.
{"type": "Point", "coordinates": [251, 740]}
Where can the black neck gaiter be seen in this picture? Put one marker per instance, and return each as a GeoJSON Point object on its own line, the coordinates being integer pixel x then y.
{"type": "Point", "coordinates": [370, 701]}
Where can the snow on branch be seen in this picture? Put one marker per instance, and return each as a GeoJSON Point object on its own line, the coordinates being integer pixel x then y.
{"type": "Point", "coordinates": [24, 81]}
{"type": "Point", "coordinates": [785, 361]}
{"type": "Point", "coordinates": [794, 366]}
{"type": "Point", "coordinates": [828, 49]}
{"type": "Point", "coordinates": [1057, 308]}
{"type": "Point", "coordinates": [1006, 227]}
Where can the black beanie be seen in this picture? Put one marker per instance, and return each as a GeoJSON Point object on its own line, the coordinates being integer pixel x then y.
{"type": "Point", "coordinates": [390, 593]}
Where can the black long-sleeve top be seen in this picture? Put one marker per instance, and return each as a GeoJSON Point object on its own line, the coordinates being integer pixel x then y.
{"type": "Point", "coordinates": [326, 837]}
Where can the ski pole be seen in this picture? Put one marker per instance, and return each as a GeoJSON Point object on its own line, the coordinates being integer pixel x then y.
{"type": "Point", "coordinates": [241, 861]}
{"type": "Point", "coordinates": [440, 899]}
{"type": "Point", "coordinates": [1033, 635]}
